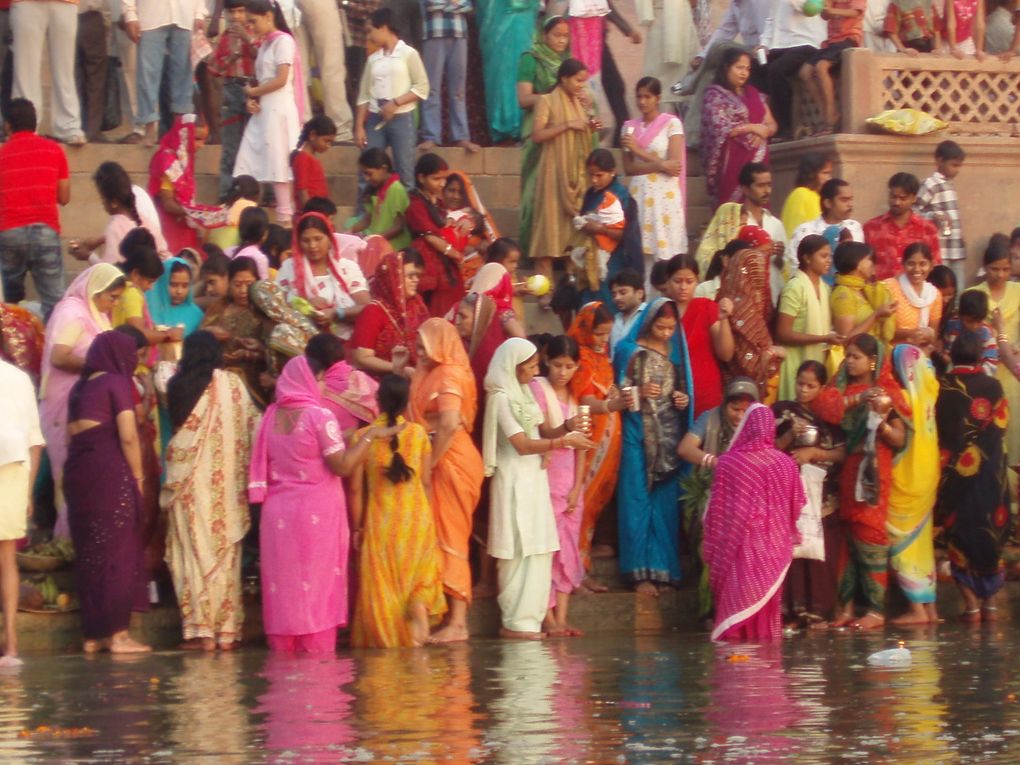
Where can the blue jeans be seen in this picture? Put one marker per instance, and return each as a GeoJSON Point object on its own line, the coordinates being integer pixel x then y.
{"type": "Point", "coordinates": [153, 49]}
{"type": "Point", "coordinates": [397, 135]}
{"type": "Point", "coordinates": [445, 56]}
{"type": "Point", "coordinates": [36, 248]}
{"type": "Point", "coordinates": [233, 115]}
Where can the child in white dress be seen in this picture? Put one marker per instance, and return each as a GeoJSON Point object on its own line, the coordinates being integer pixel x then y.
{"type": "Point", "coordinates": [274, 103]}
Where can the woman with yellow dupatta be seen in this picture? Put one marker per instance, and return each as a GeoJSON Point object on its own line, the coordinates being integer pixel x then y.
{"type": "Point", "coordinates": [592, 385]}
{"type": "Point", "coordinates": [567, 135]}
{"type": "Point", "coordinates": [915, 482]}
{"type": "Point", "coordinates": [444, 398]}
{"type": "Point", "coordinates": [859, 305]}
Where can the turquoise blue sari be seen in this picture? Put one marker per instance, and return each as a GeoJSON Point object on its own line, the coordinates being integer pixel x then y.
{"type": "Point", "coordinates": [648, 492]}
{"type": "Point", "coordinates": [506, 28]}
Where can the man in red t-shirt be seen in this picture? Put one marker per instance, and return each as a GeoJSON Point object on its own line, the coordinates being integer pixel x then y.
{"type": "Point", "coordinates": [890, 234]}
{"type": "Point", "coordinates": [33, 181]}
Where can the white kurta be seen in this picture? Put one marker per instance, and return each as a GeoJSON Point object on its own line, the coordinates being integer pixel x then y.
{"type": "Point", "coordinates": [671, 41]}
{"type": "Point", "coordinates": [272, 134]}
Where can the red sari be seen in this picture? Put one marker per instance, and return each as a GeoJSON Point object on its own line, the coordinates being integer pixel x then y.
{"type": "Point", "coordinates": [442, 282]}
{"type": "Point", "coordinates": [697, 322]}
{"type": "Point", "coordinates": [391, 318]}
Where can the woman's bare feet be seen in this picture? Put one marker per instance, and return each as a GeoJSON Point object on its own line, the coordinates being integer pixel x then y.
{"type": "Point", "coordinates": [92, 646]}
{"type": "Point", "coordinates": [571, 631]}
{"type": "Point", "coordinates": [648, 589]}
{"type": "Point", "coordinates": [917, 614]}
{"type": "Point", "coordinates": [518, 635]}
{"type": "Point", "coordinates": [10, 660]}
{"type": "Point", "coordinates": [593, 585]}
{"type": "Point", "coordinates": [971, 616]}
{"type": "Point", "coordinates": [451, 633]}
{"type": "Point", "coordinates": [122, 642]}
{"type": "Point", "coordinates": [989, 614]}
{"type": "Point", "coordinates": [870, 621]}
{"type": "Point", "coordinates": [198, 644]}
{"type": "Point", "coordinates": [418, 623]}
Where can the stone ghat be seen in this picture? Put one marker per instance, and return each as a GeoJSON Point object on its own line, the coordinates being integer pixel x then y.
{"type": "Point", "coordinates": [619, 610]}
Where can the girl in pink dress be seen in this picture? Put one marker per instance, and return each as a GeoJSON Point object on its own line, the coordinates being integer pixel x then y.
{"type": "Point", "coordinates": [566, 481]}
{"type": "Point", "coordinates": [297, 462]}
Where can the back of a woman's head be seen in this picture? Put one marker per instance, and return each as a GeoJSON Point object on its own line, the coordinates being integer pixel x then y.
{"type": "Point", "coordinates": [136, 238]}
{"type": "Point", "coordinates": [393, 394]}
{"type": "Point", "coordinates": [253, 225]}
{"type": "Point", "coordinates": [323, 351]}
{"type": "Point", "coordinates": [145, 262]}
{"type": "Point", "coordinates": [202, 355]}
{"type": "Point", "coordinates": [114, 184]}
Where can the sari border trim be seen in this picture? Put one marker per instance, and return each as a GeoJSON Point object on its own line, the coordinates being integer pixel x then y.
{"type": "Point", "coordinates": [751, 610]}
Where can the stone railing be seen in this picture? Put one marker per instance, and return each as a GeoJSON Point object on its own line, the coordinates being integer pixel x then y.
{"type": "Point", "coordinates": [975, 98]}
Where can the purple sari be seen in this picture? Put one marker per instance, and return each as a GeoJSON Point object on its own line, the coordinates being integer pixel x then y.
{"type": "Point", "coordinates": [723, 155]}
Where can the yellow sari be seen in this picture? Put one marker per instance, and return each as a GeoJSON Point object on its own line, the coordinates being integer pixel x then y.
{"type": "Point", "coordinates": [915, 479]}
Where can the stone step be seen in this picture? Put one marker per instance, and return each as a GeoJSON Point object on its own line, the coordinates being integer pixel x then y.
{"type": "Point", "coordinates": [617, 611]}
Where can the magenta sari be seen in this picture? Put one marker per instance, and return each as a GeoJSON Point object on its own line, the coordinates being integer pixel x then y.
{"type": "Point", "coordinates": [350, 395]}
{"type": "Point", "coordinates": [750, 529]}
{"type": "Point", "coordinates": [723, 155]}
{"type": "Point", "coordinates": [304, 533]}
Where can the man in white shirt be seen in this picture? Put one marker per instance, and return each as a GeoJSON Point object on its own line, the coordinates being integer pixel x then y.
{"type": "Point", "coordinates": [756, 188]}
{"type": "Point", "coordinates": [791, 39]}
{"type": "Point", "coordinates": [837, 207]}
{"type": "Point", "coordinates": [394, 80]}
{"type": "Point", "coordinates": [21, 446]}
{"type": "Point", "coordinates": [162, 29]}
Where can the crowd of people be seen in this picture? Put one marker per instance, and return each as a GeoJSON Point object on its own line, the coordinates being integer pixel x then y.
{"type": "Point", "coordinates": [791, 411]}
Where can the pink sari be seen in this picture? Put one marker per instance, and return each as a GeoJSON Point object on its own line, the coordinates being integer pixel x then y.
{"type": "Point", "coordinates": [350, 395]}
{"type": "Point", "coordinates": [750, 529]}
{"type": "Point", "coordinates": [305, 537]}
{"type": "Point", "coordinates": [723, 155]}
{"type": "Point", "coordinates": [76, 310]}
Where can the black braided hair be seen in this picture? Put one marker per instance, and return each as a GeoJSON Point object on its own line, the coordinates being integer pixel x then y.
{"type": "Point", "coordinates": [392, 395]}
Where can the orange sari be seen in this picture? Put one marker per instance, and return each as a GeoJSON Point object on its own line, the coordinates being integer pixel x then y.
{"type": "Point", "coordinates": [449, 384]}
{"type": "Point", "coordinates": [594, 377]}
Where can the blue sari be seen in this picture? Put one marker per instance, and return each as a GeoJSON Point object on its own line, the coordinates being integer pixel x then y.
{"type": "Point", "coordinates": [648, 492]}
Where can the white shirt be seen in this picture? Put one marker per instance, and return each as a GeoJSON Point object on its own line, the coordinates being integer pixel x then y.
{"type": "Point", "coordinates": [153, 14]}
{"type": "Point", "coordinates": [745, 18]}
{"type": "Point", "coordinates": [818, 226]}
{"type": "Point", "coordinates": [788, 27]}
{"type": "Point", "coordinates": [19, 415]}
{"type": "Point", "coordinates": [389, 75]}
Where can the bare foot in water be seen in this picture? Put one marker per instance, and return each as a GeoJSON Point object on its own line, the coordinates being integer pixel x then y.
{"type": "Point", "coordinates": [843, 619]}
{"type": "Point", "coordinates": [418, 623]}
{"type": "Point", "coordinates": [451, 633]}
{"type": "Point", "coordinates": [915, 615]}
{"type": "Point", "coordinates": [870, 621]}
{"type": "Point", "coordinates": [127, 644]}
{"type": "Point", "coordinates": [517, 635]}
{"type": "Point", "coordinates": [648, 589]}
{"type": "Point", "coordinates": [198, 644]}
{"type": "Point", "coordinates": [570, 631]}
{"type": "Point", "coordinates": [92, 646]}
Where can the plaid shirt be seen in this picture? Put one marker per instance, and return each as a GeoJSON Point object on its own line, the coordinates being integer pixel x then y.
{"type": "Point", "coordinates": [937, 196]}
{"type": "Point", "coordinates": [445, 18]}
{"type": "Point", "coordinates": [889, 240]}
{"type": "Point", "coordinates": [357, 12]}
{"type": "Point", "coordinates": [233, 56]}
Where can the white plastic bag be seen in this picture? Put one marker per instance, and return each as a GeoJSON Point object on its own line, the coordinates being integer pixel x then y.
{"type": "Point", "coordinates": [812, 545]}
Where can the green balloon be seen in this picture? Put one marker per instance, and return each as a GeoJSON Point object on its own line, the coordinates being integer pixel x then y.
{"type": "Point", "coordinates": [812, 7]}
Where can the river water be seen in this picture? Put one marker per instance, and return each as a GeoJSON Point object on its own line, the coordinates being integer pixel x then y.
{"type": "Point", "coordinates": [618, 698]}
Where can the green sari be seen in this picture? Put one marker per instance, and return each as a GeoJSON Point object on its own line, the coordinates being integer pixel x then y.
{"type": "Point", "coordinates": [539, 66]}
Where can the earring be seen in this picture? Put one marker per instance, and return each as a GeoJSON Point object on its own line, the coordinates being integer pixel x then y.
{"type": "Point", "coordinates": [874, 365]}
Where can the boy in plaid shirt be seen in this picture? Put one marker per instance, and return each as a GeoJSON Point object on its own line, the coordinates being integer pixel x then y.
{"type": "Point", "coordinates": [233, 60]}
{"type": "Point", "coordinates": [937, 201]}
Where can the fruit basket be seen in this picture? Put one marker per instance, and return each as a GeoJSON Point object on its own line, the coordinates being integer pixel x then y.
{"type": "Point", "coordinates": [46, 556]}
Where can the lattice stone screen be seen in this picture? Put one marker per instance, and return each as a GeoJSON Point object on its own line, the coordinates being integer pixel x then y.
{"type": "Point", "coordinates": [975, 98]}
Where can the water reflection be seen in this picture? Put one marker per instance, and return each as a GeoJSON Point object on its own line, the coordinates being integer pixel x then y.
{"type": "Point", "coordinates": [622, 698]}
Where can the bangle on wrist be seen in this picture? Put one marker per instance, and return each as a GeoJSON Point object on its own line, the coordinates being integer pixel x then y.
{"type": "Point", "coordinates": [448, 248]}
{"type": "Point", "coordinates": [1002, 337]}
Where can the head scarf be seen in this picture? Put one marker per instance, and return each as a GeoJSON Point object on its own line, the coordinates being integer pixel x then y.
{"type": "Point", "coordinates": [303, 278]}
{"type": "Point", "coordinates": [353, 390]}
{"type": "Point", "coordinates": [163, 311]}
{"type": "Point", "coordinates": [548, 61]}
{"type": "Point", "coordinates": [595, 370]}
{"type": "Point", "coordinates": [751, 523]}
{"type": "Point", "coordinates": [474, 201]}
{"type": "Point", "coordinates": [450, 372]}
{"type": "Point", "coordinates": [755, 236]}
{"type": "Point", "coordinates": [113, 353]}
{"type": "Point", "coordinates": [78, 306]}
{"type": "Point", "coordinates": [291, 331]}
{"type": "Point", "coordinates": [295, 388]}
{"type": "Point", "coordinates": [493, 280]}
{"type": "Point", "coordinates": [406, 315]}
{"type": "Point", "coordinates": [175, 159]}
{"type": "Point", "coordinates": [502, 379]}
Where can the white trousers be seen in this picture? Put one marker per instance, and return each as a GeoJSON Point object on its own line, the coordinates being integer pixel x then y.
{"type": "Point", "coordinates": [50, 25]}
{"type": "Point", "coordinates": [524, 584]}
{"type": "Point", "coordinates": [321, 33]}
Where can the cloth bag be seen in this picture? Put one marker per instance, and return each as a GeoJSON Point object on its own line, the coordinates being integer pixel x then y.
{"type": "Point", "coordinates": [812, 545]}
